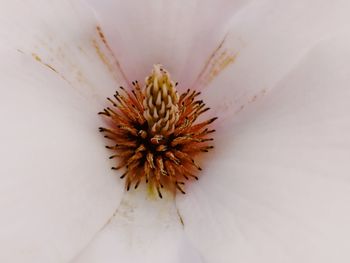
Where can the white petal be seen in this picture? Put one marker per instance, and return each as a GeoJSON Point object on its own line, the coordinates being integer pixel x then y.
{"type": "Point", "coordinates": [56, 187]}
{"type": "Point", "coordinates": [267, 39]}
{"type": "Point", "coordinates": [144, 229]}
{"type": "Point", "coordinates": [277, 189]}
{"type": "Point", "coordinates": [178, 34]}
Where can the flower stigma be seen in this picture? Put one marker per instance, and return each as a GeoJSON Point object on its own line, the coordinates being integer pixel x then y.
{"type": "Point", "coordinates": [155, 134]}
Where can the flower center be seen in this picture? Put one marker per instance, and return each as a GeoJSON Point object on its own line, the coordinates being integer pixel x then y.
{"type": "Point", "coordinates": [154, 133]}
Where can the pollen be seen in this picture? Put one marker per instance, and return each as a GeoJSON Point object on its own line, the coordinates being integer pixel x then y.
{"type": "Point", "coordinates": [155, 133]}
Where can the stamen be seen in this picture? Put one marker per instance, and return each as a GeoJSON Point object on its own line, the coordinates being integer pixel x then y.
{"type": "Point", "coordinates": [155, 133]}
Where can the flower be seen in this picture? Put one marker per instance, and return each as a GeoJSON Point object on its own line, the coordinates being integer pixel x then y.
{"type": "Point", "coordinates": [274, 190]}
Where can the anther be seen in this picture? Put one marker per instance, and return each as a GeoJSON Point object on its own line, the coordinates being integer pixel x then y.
{"type": "Point", "coordinates": [123, 175]}
{"type": "Point", "coordinates": [159, 193]}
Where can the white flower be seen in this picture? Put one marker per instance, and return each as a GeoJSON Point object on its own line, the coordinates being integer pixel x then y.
{"type": "Point", "coordinates": [276, 189]}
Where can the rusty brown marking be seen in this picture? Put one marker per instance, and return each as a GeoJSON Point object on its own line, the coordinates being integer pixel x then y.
{"type": "Point", "coordinates": [257, 96]}
{"type": "Point", "coordinates": [217, 66]}
{"type": "Point", "coordinates": [253, 99]}
{"type": "Point", "coordinates": [39, 59]}
{"type": "Point", "coordinates": [103, 57]}
{"type": "Point", "coordinates": [180, 217]}
{"type": "Point", "coordinates": [36, 57]}
{"type": "Point", "coordinates": [216, 63]}
{"type": "Point", "coordinates": [102, 36]}
{"type": "Point", "coordinates": [50, 67]}
{"type": "Point", "coordinates": [207, 63]}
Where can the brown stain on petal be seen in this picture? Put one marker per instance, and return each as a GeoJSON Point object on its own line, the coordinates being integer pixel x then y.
{"type": "Point", "coordinates": [217, 66]}
{"type": "Point", "coordinates": [66, 61]}
{"type": "Point", "coordinates": [39, 60]}
{"type": "Point", "coordinates": [211, 57]}
{"type": "Point", "coordinates": [36, 57]}
{"type": "Point", "coordinates": [101, 55]}
{"type": "Point", "coordinates": [104, 51]}
{"type": "Point", "coordinates": [101, 35]}
{"type": "Point", "coordinates": [257, 96]}
{"type": "Point", "coordinates": [219, 59]}
{"type": "Point", "coordinates": [228, 104]}
{"type": "Point", "coordinates": [180, 218]}
{"type": "Point", "coordinates": [252, 99]}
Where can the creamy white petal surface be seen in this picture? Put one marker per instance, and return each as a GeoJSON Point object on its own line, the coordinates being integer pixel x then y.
{"type": "Point", "coordinates": [269, 38]}
{"type": "Point", "coordinates": [178, 34]}
{"type": "Point", "coordinates": [278, 187]}
{"type": "Point", "coordinates": [144, 229]}
{"type": "Point", "coordinates": [56, 187]}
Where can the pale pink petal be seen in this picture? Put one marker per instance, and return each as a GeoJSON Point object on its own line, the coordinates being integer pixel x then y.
{"type": "Point", "coordinates": [56, 187]}
{"type": "Point", "coordinates": [277, 189]}
{"type": "Point", "coordinates": [266, 40]}
{"type": "Point", "coordinates": [179, 34]}
{"type": "Point", "coordinates": [144, 229]}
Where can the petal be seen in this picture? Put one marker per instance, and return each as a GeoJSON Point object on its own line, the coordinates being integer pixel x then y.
{"type": "Point", "coordinates": [178, 34]}
{"type": "Point", "coordinates": [56, 187]}
{"type": "Point", "coordinates": [267, 39]}
{"type": "Point", "coordinates": [277, 189]}
{"type": "Point", "coordinates": [144, 229]}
